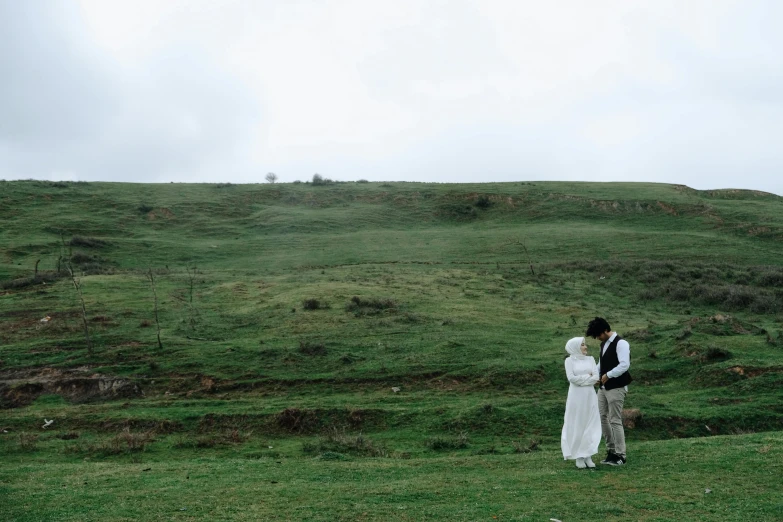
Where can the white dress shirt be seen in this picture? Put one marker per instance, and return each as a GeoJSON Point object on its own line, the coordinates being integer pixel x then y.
{"type": "Point", "coordinates": [623, 356]}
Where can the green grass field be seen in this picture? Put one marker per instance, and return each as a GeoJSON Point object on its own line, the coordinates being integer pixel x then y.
{"type": "Point", "coordinates": [288, 312]}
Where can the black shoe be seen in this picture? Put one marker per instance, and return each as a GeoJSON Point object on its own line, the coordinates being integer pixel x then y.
{"type": "Point", "coordinates": [617, 460]}
{"type": "Point", "coordinates": [609, 458]}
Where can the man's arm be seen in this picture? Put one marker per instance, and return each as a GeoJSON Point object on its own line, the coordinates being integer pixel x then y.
{"type": "Point", "coordinates": [624, 356]}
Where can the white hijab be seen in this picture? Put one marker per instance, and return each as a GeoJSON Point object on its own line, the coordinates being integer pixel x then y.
{"type": "Point", "coordinates": [574, 348]}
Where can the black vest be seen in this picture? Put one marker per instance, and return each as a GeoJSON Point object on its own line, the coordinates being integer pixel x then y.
{"type": "Point", "coordinates": [608, 360]}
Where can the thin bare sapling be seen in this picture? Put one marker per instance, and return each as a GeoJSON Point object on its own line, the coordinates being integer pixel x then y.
{"type": "Point", "coordinates": [151, 279]}
{"type": "Point", "coordinates": [77, 285]}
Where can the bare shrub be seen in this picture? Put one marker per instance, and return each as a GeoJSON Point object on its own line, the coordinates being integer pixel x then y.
{"type": "Point", "coordinates": [87, 242]}
{"type": "Point", "coordinates": [90, 264]}
{"type": "Point", "coordinates": [483, 202]}
{"type": "Point", "coordinates": [28, 441]}
{"type": "Point", "coordinates": [312, 348]}
{"type": "Point", "coordinates": [648, 294]}
{"type": "Point", "coordinates": [127, 442]}
{"type": "Point", "coordinates": [350, 358]}
{"type": "Point", "coordinates": [296, 420]}
{"type": "Point", "coordinates": [24, 282]}
{"type": "Point", "coordinates": [765, 303]}
{"type": "Point", "coordinates": [312, 304]}
{"type": "Point", "coordinates": [461, 441]}
{"type": "Point", "coordinates": [370, 306]}
{"type": "Point", "coordinates": [772, 277]}
{"type": "Point", "coordinates": [458, 210]}
{"type": "Point", "coordinates": [641, 335]}
{"type": "Point", "coordinates": [337, 441]}
{"type": "Point", "coordinates": [531, 446]}
{"type": "Point", "coordinates": [684, 333]}
{"type": "Point", "coordinates": [715, 354]}
{"type": "Point", "coordinates": [226, 437]}
{"type": "Point", "coordinates": [410, 318]}
{"type": "Point", "coordinates": [631, 417]}
{"type": "Point", "coordinates": [81, 257]}
{"type": "Point", "coordinates": [679, 293]}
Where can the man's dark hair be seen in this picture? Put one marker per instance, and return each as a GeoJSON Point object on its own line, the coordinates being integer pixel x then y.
{"type": "Point", "coordinates": [597, 326]}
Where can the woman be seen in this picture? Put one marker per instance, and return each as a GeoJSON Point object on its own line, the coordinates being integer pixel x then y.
{"type": "Point", "coordinates": [582, 422]}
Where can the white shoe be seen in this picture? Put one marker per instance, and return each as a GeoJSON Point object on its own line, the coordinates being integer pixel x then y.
{"type": "Point", "coordinates": [589, 463]}
{"type": "Point", "coordinates": [580, 463]}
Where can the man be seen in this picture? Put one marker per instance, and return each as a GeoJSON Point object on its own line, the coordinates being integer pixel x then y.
{"type": "Point", "coordinates": [614, 360]}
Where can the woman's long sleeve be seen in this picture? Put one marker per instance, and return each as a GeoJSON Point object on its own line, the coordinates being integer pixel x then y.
{"type": "Point", "coordinates": [579, 380]}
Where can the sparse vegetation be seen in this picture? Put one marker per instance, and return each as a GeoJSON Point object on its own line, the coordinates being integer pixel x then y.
{"type": "Point", "coordinates": [460, 441]}
{"type": "Point", "coordinates": [714, 353]}
{"type": "Point", "coordinates": [87, 242]}
{"type": "Point", "coordinates": [24, 282]}
{"type": "Point", "coordinates": [337, 441]}
{"type": "Point", "coordinates": [312, 348]}
{"type": "Point", "coordinates": [370, 305]}
{"type": "Point", "coordinates": [28, 441]}
{"type": "Point", "coordinates": [313, 304]}
{"type": "Point", "coordinates": [483, 202]}
{"type": "Point", "coordinates": [520, 447]}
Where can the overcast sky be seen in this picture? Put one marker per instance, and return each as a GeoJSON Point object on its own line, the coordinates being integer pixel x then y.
{"type": "Point", "coordinates": [686, 91]}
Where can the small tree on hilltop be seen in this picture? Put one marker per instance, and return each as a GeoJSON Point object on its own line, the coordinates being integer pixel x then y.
{"type": "Point", "coordinates": [271, 177]}
{"type": "Point", "coordinates": [320, 180]}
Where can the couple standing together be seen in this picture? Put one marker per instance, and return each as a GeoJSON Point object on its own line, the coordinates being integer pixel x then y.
{"type": "Point", "coordinates": [587, 414]}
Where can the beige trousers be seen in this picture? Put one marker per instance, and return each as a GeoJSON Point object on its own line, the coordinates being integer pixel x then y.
{"type": "Point", "coordinates": [610, 406]}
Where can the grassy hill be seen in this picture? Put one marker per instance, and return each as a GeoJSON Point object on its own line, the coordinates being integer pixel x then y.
{"type": "Point", "coordinates": [288, 312]}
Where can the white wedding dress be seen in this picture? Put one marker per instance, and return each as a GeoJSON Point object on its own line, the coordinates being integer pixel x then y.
{"type": "Point", "coordinates": [582, 422]}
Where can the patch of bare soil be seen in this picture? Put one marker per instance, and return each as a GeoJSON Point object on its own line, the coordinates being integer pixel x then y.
{"type": "Point", "coordinates": [755, 372]}
{"type": "Point", "coordinates": [152, 215]}
{"type": "Point", "coordinates": [667, 208]}
{"type": "Point", "coordinates": [21, 387]}
{"type": "Point", "coordinates": [724, 324]}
